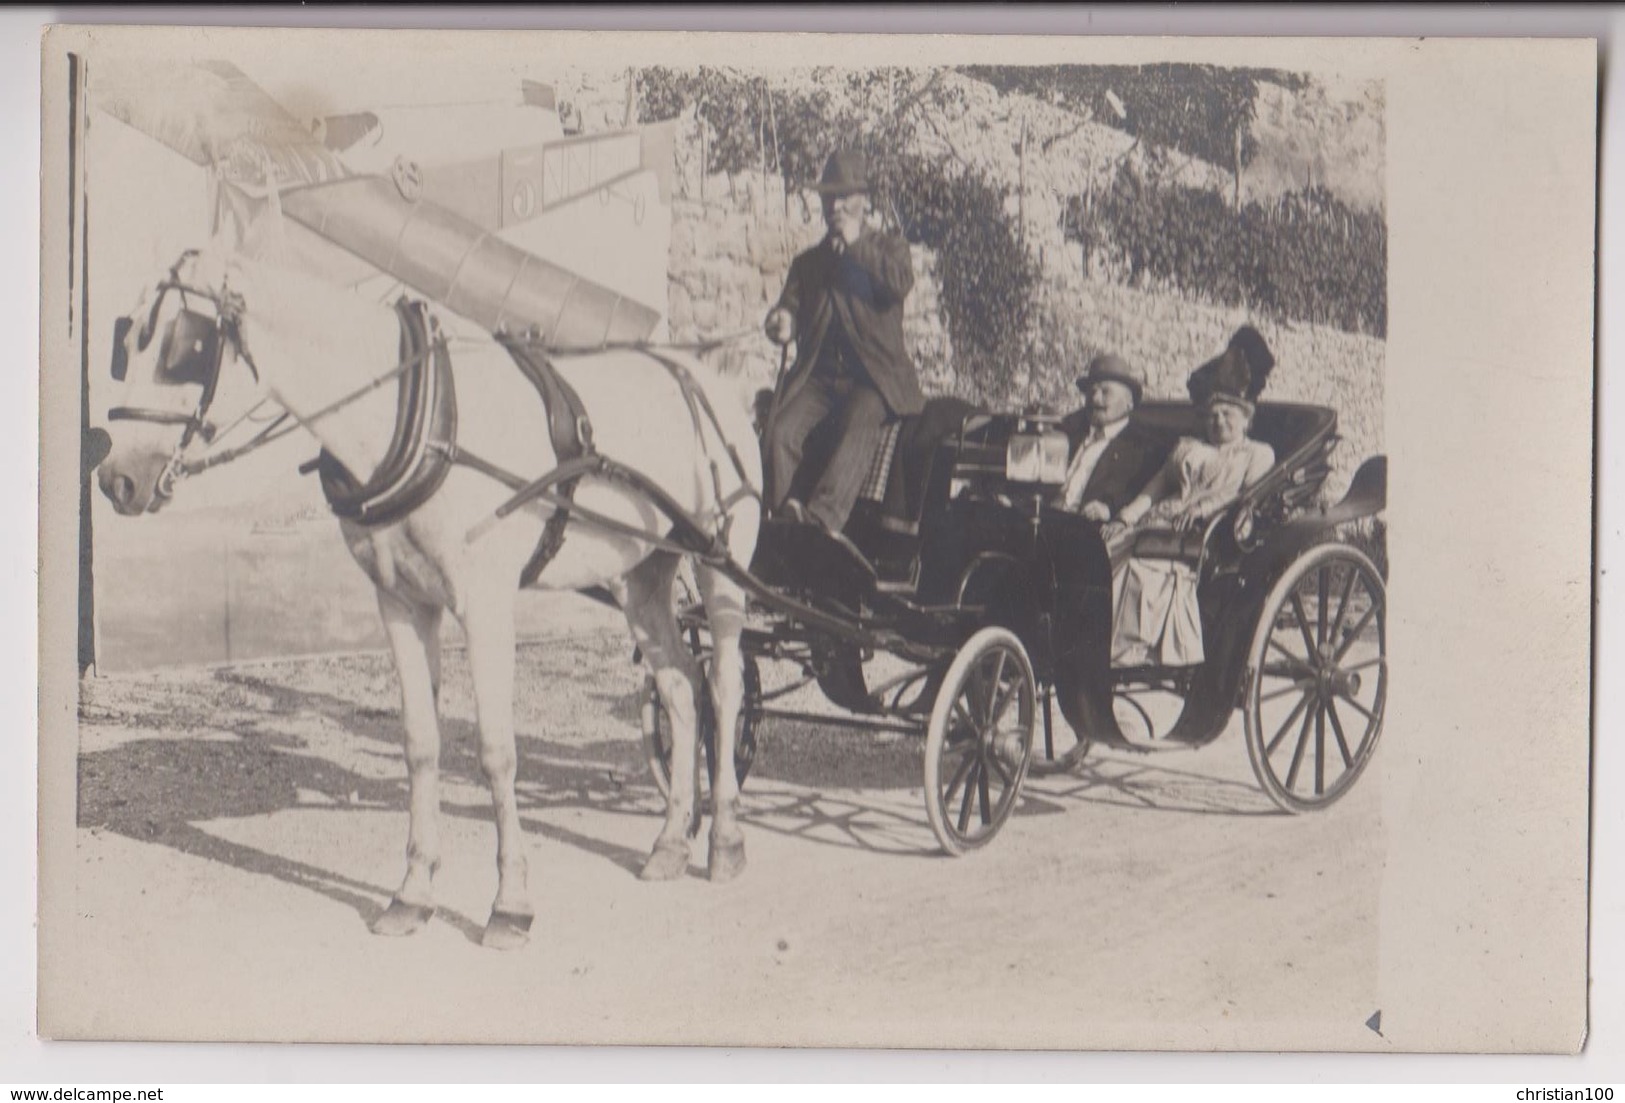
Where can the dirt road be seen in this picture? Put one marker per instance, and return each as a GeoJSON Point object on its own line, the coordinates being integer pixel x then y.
{"type": "Point", "coordinates": [239, 827]}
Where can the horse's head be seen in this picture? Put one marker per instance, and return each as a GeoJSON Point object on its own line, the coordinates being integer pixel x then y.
{"type": "Point", "coordinates": [171, 353]}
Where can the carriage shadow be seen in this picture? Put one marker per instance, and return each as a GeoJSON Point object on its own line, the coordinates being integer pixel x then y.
{"type": "Point", "coordinates": [1154, 781]}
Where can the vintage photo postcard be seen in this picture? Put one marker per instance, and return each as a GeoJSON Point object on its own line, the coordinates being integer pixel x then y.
{"type": "Point", "coordinates": [814, 540]}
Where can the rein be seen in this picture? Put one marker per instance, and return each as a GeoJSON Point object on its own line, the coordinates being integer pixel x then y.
{"type": "Point", "coordinates": [554, 488]}
{"type": "Point", "coordinates": [277, 429]}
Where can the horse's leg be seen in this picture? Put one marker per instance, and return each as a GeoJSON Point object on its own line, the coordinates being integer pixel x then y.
{"type": "Point", "coordinates": [654, 629]}
{"type": "Point", "coordinates": [489, 624]}
{"type": "Point", "coordinates": [725, 612]}
{"type": "Point", "coordinates": [414, 637]}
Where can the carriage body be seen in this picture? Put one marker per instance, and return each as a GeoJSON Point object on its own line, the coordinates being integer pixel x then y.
{"type": "Point", "coordinates": [973, 548]}
{"type": "Point", "coordinates": [1292, 610]}
{"type": "Point", "coordinates": [994, 523]}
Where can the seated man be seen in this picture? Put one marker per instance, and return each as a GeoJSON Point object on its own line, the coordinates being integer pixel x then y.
{"type": "Point", "coordinates": [1112, 458]}
{"type": "Point", "coordinates": [843, 305]}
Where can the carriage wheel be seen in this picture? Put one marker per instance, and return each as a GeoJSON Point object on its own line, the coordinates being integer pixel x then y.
{"type": "Point", "coordinates": [1319, 659]}
{"type": "Point", "coordinates": [657, 733]}
{"type": "Point", "coordinates": [980, 740]}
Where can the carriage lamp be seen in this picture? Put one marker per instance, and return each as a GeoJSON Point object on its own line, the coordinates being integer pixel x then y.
{"type": "Point", "coordinates": [1037, 453]}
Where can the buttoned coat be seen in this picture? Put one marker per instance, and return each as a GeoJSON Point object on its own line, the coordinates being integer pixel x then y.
{"type": "Point", "coordinates": [1129, 462]}
{"type": "Point", "coordinates": [864, 288]}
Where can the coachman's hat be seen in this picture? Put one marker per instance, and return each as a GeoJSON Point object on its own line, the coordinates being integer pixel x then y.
{"type": "Point", "coordinates": [845, 173]}
{"type": "Point", "coordinates": [1116, 369]}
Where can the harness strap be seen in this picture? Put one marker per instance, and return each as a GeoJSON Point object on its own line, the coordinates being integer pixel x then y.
{"type": "Point", "coordinates": [411, 470]}
{"type": "Point", "coordinates": [694, 393]}
{"type": "Point", "coordinates": [570, 431]}
{"type": "Point", "coordinates": [695, 396]}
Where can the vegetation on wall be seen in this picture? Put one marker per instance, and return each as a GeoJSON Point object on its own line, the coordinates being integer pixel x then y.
{"type": "Point", "coordinates": [987, 280]}
{"type": "Point", "coordinates": [1202, 111]}
{"type": "Point", "coordinates": [1304, 257]}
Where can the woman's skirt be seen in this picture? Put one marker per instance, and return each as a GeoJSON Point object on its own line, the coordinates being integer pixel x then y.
{"type": "Point", "coordinates": [1156, 620]}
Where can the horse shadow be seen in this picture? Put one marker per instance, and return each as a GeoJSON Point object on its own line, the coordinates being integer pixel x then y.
{"type": "Point", "coordinates": [815, 783]}
{"type": "Point", "coordinates": [161, 788]}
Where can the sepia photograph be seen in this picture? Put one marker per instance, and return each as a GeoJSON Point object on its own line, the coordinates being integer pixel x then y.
{"type": "Point", "coordinates": [804, 541]}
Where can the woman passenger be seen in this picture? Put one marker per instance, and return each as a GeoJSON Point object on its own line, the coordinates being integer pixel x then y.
{"type": "Point", "coordinates": [1156, 619]}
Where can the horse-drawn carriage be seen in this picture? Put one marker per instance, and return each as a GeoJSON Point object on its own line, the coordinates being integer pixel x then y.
{"type": "Point", "coordinates": [548, 443]}
{"type": "Point", "coordinates": [959, 563]}
{"type": "Point", "coordinates": [1001, 605]}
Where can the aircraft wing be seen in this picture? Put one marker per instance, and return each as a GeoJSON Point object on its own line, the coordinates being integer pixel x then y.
{"type": "Point", "coordinates": [461, 264]}
{"type": "Point", "coordinates": [212, 114]}
{"type": "Point", "coordinates": [408, 223]}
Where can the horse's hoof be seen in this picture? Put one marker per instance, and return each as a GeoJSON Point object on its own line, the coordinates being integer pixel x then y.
{"type": "Point", "coordinates": [727, 860]}
{"type": "Point", "coordinates": [506, 931]}
{"type": "Point", "coordinates": [401, 918]}
{"type": "Point", "coordinates": [668, 862]}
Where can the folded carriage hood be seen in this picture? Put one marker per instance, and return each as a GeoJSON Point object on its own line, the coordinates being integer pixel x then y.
{"type": "Point", "coordinates": [465, 267]}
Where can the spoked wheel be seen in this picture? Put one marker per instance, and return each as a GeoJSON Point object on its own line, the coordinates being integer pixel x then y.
{"type": "Point", "coordinates": [657, 730]}
{"type": "Point", "coordinates": [980, 740]}
{"type": "Point", "coordinates": [1319, 655]}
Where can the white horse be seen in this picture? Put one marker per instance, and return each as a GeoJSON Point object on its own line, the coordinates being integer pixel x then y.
{"type": "Point", "coordinates": [308, 348]}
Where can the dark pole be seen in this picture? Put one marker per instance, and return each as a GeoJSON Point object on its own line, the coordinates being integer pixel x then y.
{"type": "Point", "coordinates": [79, 261]}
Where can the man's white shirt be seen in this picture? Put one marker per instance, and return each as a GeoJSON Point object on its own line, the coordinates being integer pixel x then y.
{"type": "Point", "coordinates": [1086, 459]}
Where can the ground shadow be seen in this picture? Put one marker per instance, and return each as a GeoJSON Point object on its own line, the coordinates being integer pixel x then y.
{"type": "Point", "coordinates": [1158, 781]}
{"type": "Point", "coordinates": [825, 785]}
{"type": "Point", "coordinates": [158, 790]}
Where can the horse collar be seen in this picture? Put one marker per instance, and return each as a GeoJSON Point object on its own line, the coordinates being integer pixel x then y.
{"type": "Point", "coordinates": [419, 454]}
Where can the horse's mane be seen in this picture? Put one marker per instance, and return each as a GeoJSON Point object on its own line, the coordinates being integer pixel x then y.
{"type": "Point", "coordinates": [344, 318]}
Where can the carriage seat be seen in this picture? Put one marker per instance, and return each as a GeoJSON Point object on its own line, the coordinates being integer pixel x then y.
{"type": "Point", "coordinates": [894, 492]}
{"type": "Point", "coordinates": [1288, 428]}
{"type": "Point", "coordinates": [885, 522]}
{"type": "Point", "coordinates": [1285, 427]}
{"type": "Point", "coordinates": [887, 516]}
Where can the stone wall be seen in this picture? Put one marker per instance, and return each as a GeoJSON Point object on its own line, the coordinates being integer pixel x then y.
{"type": "Point", "coordinates": [734, 235]}
{"type": "Point", "coordinates": [1170, 337]}
{"type": "Point", "coordinates": [730, 252]}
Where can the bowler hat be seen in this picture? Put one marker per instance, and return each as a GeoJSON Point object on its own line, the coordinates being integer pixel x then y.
{"type": "Point", "coordinates": [845, 173]}
{"type": "Point", "coordinates": [1112, 367]}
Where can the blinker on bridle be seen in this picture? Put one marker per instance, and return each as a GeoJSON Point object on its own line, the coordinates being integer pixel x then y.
{"type": "Point", "coordinates": [191, 353]}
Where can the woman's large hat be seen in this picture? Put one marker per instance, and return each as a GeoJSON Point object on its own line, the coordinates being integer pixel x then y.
{"type": "Point", "coordinates": [1242, 369]}
{"type": "Point", "coordinates": [845, 173]}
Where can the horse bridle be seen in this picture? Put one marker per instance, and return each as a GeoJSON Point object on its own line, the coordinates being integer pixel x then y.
{"type": "Point", "coordinates": [191, 352]}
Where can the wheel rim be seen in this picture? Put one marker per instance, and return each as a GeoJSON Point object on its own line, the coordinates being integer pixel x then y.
{"type": "Point", "coordinates": [980, 744]}
{"type": "Point", "coordinates": [1315, 707]}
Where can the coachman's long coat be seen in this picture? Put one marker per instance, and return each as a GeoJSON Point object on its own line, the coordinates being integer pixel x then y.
{"type": "Point", "coordinates": [864, 288]}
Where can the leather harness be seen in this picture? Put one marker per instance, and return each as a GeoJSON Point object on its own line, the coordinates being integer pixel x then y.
{"type": "Point", "coordinates": [411, 470]}
{"type": "Point", "coordinates": [423, 448]}
{"type": "Point", "coordinates": [571, 434]}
